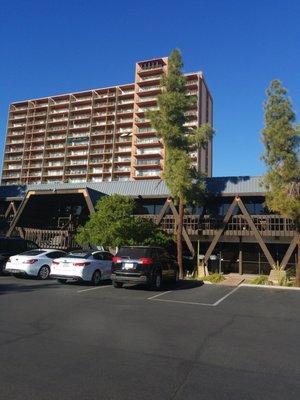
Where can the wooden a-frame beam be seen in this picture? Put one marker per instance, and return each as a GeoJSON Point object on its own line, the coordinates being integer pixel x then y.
{"type": "Point", "coordinates": [184, 232]}
{"type": "Point", "coordinates": [220, 231]}
{"type": "Point", "coordinates": [291, 248]}
{"type": "Point", "coordinates": [255, 232]}
{"type": "Point", "coordinates": [18, 213]}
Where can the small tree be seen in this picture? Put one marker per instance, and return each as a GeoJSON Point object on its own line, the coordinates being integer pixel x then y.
{"type": "Point", "coordinates": [281, 139]}
{"type": "Point", "coordinates": [113, 224]}
{"type": "Point", "coordinates": [169, 122]}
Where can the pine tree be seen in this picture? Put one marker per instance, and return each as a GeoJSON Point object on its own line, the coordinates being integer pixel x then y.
{"type": "Point", "coordinates": [169, 121]}
{"type": "Point", "coordinates": [281, 138]}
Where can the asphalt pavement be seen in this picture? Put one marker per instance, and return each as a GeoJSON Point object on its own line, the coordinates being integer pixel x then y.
{"type": "Point", "coordinates": [186, 342]}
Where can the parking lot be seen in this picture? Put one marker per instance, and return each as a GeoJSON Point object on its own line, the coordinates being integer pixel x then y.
{"type": "Point", "coordinates": [191, 341]}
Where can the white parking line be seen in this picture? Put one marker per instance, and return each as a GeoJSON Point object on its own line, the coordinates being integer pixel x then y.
{"type": "Point", "coordinates": [155, 298]}
{"type": "Point", "coordinates": [158, 295]}
{"type": "Point", "coordinates": [93, 288]}
{"type": "Point", "coordinates": [225, 297]}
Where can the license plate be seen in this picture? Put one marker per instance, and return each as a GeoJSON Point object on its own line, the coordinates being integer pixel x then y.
{"type": "Point", "coordinates": [128, 265]}
{"type": "Point", "coordinates": [14, 270]}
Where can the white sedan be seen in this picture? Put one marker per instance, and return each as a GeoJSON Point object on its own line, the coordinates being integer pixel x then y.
{"type": "Point", "coordinates": [83, 266]}
{"type": "Point", "coordinates": [33, 263]}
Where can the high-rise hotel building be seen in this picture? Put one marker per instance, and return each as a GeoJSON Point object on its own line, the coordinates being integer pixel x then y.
{"type": "Point", "coordinates": [98, 135]}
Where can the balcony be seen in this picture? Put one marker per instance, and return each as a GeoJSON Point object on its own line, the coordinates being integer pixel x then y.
{"type": "Point", "coordinates": [56, 137]}
{"type": "Point", "coordinates": [148, 173]}
{"type": "Point", "coordinates": [146, 99]}
{"type": "Point", "coordinates": [16, 117]}
{"type": "Point", "coordinates": [53, 146]}
{"type": "Point", "coordinates": [76, 172]}
{"type": "Point", "coordinates": [54, 155]}
{"type": "Point", "coordinates": [77, 108]}
{"type": "Point", "coordinates": [146, 141]}
{"type": "Point", "coordinates": [78, 153]}
{"type": "Point", "coordinates": [129, 101]}
{"type": "Point", "coordinates": [146, 130]}
{"type": "Point", "coordinates": [54, 173]}
{"type": "Point", "coordinates": [122, 159]}
{"type": "Point", "coordinates": [123, 149]}
{"type": "Point", "coordinates": [79, 99]}
{"type": "Point", "coordinates": [80, 116]}
{"type": "Point", "coordinates": [149, 151]}
{"type": "Point", "coordinates": [96, 171]}
{"type": "Point", "coordinates": [151, 77]}
{"type": "Point", "coordinates": [54, 164]}
{"type": "Point", "coordinates": [146, 109]}
{"type": "Point", "coordinates": [267, 225]}
{"type": "Point", "coordinates": [75, 126]}
{"type": "Point", "coordinates": [149, 88]}
{"type": "Point", "coordinates": [77, 162]}
{"type": "Point", "coordinates": [125, 121]}
{"type": "Point", "coordinates": [122, 169]}
{"type": "Point", "coordinates": [58, 111]}
{"type": "Point", "coordinates": [147, 162]}
{"type": "Point", "coordinates": [58, 128]}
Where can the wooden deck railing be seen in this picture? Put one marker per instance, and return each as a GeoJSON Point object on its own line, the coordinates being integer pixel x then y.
{"type": "Point", "coordinates": [49, 238]}
{"type": "Point", "coordinates": [267, 225]}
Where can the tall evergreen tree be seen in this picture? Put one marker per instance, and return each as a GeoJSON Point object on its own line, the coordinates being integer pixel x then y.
{"type": "Point", "coordinates": [169, 121]}
{"type": "Point", "coordinates": [281, 138]}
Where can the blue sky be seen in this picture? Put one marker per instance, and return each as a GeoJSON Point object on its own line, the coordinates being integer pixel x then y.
{"type": "Point", "coordinates": [52, 47]}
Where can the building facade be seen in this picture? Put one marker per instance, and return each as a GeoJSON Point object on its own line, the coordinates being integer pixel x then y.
{"type": "Point", "coordinates": [98, 135]}
{"type": "Point", "coordinates": [232, 231]}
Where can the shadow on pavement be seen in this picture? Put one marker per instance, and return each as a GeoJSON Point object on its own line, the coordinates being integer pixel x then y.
{"type": "Point", "coordinates": [181, 285]}
{"type": "Point", "coordinates": [6, 288]}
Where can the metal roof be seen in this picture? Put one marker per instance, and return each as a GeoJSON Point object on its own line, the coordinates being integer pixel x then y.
{"type": "Point", "coordinates": [225, 186]}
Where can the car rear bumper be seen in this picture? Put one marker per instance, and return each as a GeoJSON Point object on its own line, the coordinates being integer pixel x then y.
{"type": "Point", "coordinates": [70, 277]}
{"type": "Point", "coordinates": [127, 278]}
{"type": "Point", "coordinates": [16, 271]}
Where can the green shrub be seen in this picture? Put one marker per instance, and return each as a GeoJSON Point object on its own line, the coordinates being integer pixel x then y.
{"type": "Point", "coordinates": [213, 278]}
{"type": "Point", "coordinates": [260, 280]}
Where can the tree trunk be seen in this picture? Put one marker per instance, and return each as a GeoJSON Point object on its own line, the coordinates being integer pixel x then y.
{"type": "Point", "coordinates": [179, 238]}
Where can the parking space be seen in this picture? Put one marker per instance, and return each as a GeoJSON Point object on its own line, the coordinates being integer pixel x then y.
{"type": "Point", "coordinates": [77, 341]}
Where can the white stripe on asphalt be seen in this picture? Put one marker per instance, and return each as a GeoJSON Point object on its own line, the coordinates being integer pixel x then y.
{"type": "Point", "coordinates": [158, 295]}
{"type": "Point", "coordinates": [225, 297]}
{"type": "Point", "coordinates": [193, 302]}
{"type": "Point", "coordinates": [184, 302]}
{"type": "Point", "coordinates": [94, 288]}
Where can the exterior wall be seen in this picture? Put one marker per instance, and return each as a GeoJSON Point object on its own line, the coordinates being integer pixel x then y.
{"type": "Point", "coordinates": [97, 135]}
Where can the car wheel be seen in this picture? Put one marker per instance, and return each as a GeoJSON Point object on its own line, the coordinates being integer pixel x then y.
{"type": "Point", "coordinates": [62, 281]}
{"type": "Point", "coordinates": [96, 278]}
{"type": "Point", "coordinates": [118, 284]}
{"type": "Point", "coordinates": [44, 272]}
{"type": "Point", "coordinates": [157, 281]}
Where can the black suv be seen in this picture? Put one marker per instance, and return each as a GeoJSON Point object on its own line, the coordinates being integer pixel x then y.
{"type": "Point", "coordinates": [13, 246]}
{"type": "Point", "coordinates": [143, 264]}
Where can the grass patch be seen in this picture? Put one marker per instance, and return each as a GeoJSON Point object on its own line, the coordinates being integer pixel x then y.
{"type": "Point", "coordinates": [260, 280]}
{"type": "Point", "coordinates": [213, 278]}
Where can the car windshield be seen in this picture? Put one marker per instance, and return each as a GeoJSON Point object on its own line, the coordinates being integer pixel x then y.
{"type": "Point", "coordinates": [79, 255]}
{"type": "Point", "coordinates": [134, 252]}
{"type": "Point", "coordinates": [33, 252]}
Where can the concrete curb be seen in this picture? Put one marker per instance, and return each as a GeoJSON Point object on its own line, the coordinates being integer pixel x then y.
{"type": "Point", "coordinates": [269, 287]}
